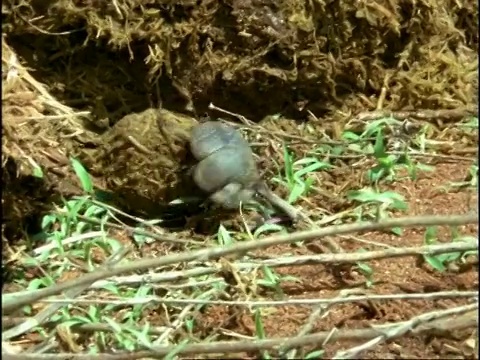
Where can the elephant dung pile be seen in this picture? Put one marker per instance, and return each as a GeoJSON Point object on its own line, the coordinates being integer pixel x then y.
{"type": "Point", "coordinates": [77, 70]}
{"type": "Point", "coordinates": [145, 157]}
{"type": "Point", "coordinates": [275, 56]}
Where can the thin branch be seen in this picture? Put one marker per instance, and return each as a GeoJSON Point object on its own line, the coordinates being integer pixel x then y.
{"type": "Point", "coordinates": [468, 317]}
{"type": "Point", "coordinates": [271, 303]}
{"type": "Point", "coordinates": [45, 314]}
{"type": "Point", "coordinates": [222, 251]}
{"type": "Point", "coordinates": [399, 330]}
{"type": "Point", "coordinates": [202, 270]}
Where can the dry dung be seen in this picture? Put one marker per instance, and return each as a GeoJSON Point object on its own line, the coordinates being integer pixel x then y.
{"type": "Point", "coordinates": [145, 156]}
{"type": "Point", "coordinates": [254, 57]}
{"type": "Point", "coordinates": [32, 159]}
{"type": "Point", "coordinates": [73, 69]}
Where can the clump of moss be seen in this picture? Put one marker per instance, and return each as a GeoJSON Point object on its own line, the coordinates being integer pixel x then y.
{"type": "Point", "coordinates": [276, 56]}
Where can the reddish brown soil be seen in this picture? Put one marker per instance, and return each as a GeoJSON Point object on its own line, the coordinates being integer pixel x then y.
{"type": "Point", "coordinates": [403, 275]}
{"type": "Point", "coordinates": [393, 276]}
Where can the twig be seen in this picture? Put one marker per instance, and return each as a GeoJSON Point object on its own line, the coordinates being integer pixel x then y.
{"type": "Point", "coordinates": [181, 317]}
{"type": "Point", "coordinates": [450, 158]}
{"type": "Point", "coordinates": [43, 315]}
{"type": "Point", "coordinates": [369, 255]}
{"type": "Point", "coordinates": [202, 270]}
{"type": "Point", "coordinates": [133, 230]}
{"type": "Point", "coordinates": [389, 332]}
{"type": "Point", "coordinates": [250, 125]}
{"type": "Point", "coordinates": [320, 311]}
{"type": "Point", "coordinates": [70, 240]}
{"type": "Point", "coordinates": [425, 114]}
{"type": "Point", "coordinates": [270, 303]}
{"type": "Point", "coordinates": [47, 32]}
{"type": "Point", "coordinates": [53, 117]}
{"type": "Point", "coordinates": [222, 251]}
{"type": "Point", "coordinates": [81, 328]}
{"type": "Point", "coordinates": [242, 118]}
{"type": "Point", "coordinates": [229, 347]}
{"type": "Point", "coordinates": [292, 261]}
{"type": "Point", "coordinates": [111, 210]}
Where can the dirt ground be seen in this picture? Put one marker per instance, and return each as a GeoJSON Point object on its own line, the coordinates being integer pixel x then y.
{"type": "Point", "coordinates": [401, 275]}
{"type": "Point", "coordinates": [302, 74]}
{"type": "Point", "coordinates": [404, 275]}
